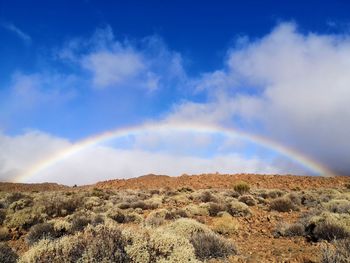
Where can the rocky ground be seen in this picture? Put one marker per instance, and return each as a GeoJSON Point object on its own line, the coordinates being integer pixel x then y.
{"type": "Point", "coordinates": [267, 218]}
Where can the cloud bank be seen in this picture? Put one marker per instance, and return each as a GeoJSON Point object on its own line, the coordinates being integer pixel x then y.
{"type": "Point", "coordinates": [143, 156]}
{"type": "Point", "coordinates": [291, 87]}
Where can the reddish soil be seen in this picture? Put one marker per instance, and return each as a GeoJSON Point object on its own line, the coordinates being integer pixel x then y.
{"type": "Point", "coordinates": [205, 181]}
{"type": "Point", "coordinates": [18, 187]}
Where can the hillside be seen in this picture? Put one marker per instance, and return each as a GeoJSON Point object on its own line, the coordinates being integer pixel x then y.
{"type": "Point", "coordinates": [198, 218]}
{"type": "Point", "coordinates": [206, 181]}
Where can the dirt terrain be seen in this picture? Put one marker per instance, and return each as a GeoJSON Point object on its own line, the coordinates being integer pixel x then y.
{"type": "Point", "coordinates": [253, 219]}
{"type": "Point", "coordinates": [19, 187]}
{"type": "Point", "coordinates": [256, 232]}
{"type": "Point", "coordinates": [207, 181]}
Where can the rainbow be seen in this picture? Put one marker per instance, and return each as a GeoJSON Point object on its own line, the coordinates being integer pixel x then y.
{"type": "Point", "coordinates": [151, 127]}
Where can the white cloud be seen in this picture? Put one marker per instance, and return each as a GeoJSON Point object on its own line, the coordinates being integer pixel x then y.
{"type": "Point", "coordinates": [18, 32]}
{"type": "Point", "coordinates": [147, 64]}
{"type": "Point", "coordinates": [20, 153]}
{"type": "Point", "coordinates": [295, 87]}
{"type": "Point", "coordinates": [111, 68]}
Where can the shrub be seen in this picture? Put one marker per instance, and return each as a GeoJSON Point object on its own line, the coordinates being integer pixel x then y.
{"type": "Point", "coordinates": [2, 215]}
{"type": "Point", "coordinates": [157, 218]}
{"type": "Point", "coordinates": [296, 229]}
{"type": "Point", "coordinates": [294, 198]}
{"type": "Point", "coordinates": [20, 204]}
{"type": "Point", "coordinates": [79, 223]}
{"type": "Point", "coordinates": [124, 205]}
{"type": "Point", "coordinates": [231, 193]}
{"type": "Point", "coordinates": [275, 193]}
{"type": "Point", "coordinates": [207, 197]}
{"type": "Point", "coordinates": [92, 202]}
{"type": "Point", "coordinates": [176, 213]}
{"type": "Point", "coordinates": [236, 208]}
{"type": "Point", "coordinates": [241, 187]}
{"type": "Point", "coordinates": [215, 208]}
{"type": "Point", "coordinates": [225, 225]}
{"type": "Point", "coordinates": [117, 215]}
{"type": "Point", "coordinates": [40, 231]}
{"type": "Point", "coordinates": [59, 205]}
{"type": "Point", "coordinates": [167, 247]}
{"type": "Point", "coordinates": [144, 205]}
{"type": "Point", "coordinates": [282, 204]}
{"type": "Point", "coordinates": [185, 189]}
{"type": "Point", "coordinates": [197, 210]}
{"type": "Point", "coordinates": [154, 192]}
{"type": "Point", "coordinates": [7, 255]}
{"type": "Point", "coordinates": [120, 217]}
{"type": "Point", "coordinates": [24, 219]}
{"type": "Point", "coordinates": [138, 204]}
{"type": "Point", "coordinates": [338, 206]}
{"type": "Point", "coordinates": [96, 244]}
{"type": "Point", "coordinates": [186, 227]}
{"type": "Point", "coordinates": [210, 246]}
{"type": "Point", "coordinates": [247, 199]}
{"type": "Point", "coordinates": [13, 197]}
{"type": "Point", "coordinates": [290, 230]}
{"type": "Point", "coordinates": [61, 226]}
{"type": "Point", "coordinates": [329, 231]}
{"type": "Point", "coordinates": [99, 193]}
{"type": "Point", "coordinates": [4, 234]}
{"type": "Point", "coordinates": [340, 253]}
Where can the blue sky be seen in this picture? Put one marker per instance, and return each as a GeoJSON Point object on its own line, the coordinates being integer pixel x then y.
{"type": "Point", "coordinates": [273, 69]}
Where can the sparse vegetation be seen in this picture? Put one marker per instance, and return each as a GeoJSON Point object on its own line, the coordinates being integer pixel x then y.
{"type": "Point", "coordinates": [241, 187]}
{"type": "Point", "coordinates": [247, 199]}
{"type": "Point", "coordinates": [7, 255]}
{"type": "Point", "coordinates": [209, 246]}
{"type": "Point", "coordinates": [282, 204]}
{"type": "Point", "coordinates": [330, 231]}
{"type": "Point", "coordinates": [338, 252]}
{"type": "Point", "coordinates": [225, 224]}
{"type": "Point", "coordinates": [40, 231]}
{"type": "Point", "coordinates": [179, 224]}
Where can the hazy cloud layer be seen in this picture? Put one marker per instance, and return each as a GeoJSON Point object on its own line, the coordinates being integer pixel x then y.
{"type": "Point", "coordinates": [96, 163]}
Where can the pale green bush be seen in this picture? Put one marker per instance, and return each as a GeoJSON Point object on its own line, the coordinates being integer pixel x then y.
{"type": "Point", "coordinates": [338, 252]}
{"type": "Point", "coordinates": [157, 246]}
{"type": "Point", "coordinates": [338, 206]}
{"type": "Point", "coordinates": [236, 208]}
{"type": "Point", "coordinates": [185, 227]}
{"type": "Point", "coordinates": [225, 224]}
{"type": "Point", "coordinates": [327, 226]}
{"type": "Point", "coordinates": [241, 187]}
{"type": "Point", "coordinates": [24, 219]}
{"type": "Point", "coordinates": [247, 199]}
{"type": "Point", "coordinates": [156, 218]}
{"type": "Point", "coordinates": [96, 244]}
{"type": "Point", "coordinates": [197, 210]}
